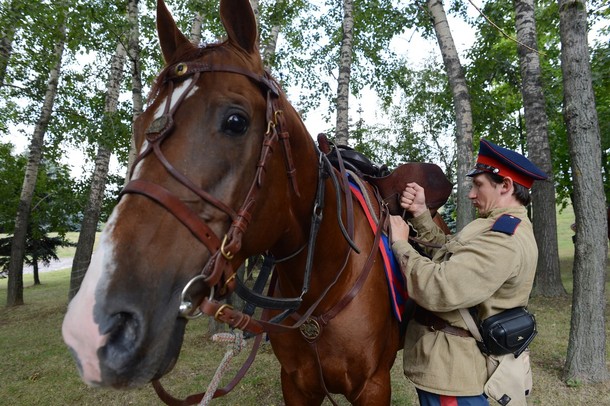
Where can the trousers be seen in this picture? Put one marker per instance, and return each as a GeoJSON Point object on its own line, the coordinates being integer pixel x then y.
{"type": "Point", "coordinates": [434, 399]}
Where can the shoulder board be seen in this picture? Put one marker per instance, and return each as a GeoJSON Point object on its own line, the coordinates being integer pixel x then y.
{"type": "Point", "coordinates": [506, 224]}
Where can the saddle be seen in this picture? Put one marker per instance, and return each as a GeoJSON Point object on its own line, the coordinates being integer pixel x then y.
{"type": "Point", "coordinates": [390, 184]}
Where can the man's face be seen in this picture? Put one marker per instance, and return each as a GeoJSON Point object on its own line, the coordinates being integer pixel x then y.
{"type": "Point", "coordinates": [484, 194]}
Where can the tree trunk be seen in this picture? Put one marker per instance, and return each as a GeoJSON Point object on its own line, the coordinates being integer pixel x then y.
{"type": "Point", "coordinates": [345, 68]}
{"type": "Point", "coordinates": [6, 49]}
{"type": "Point", "coordinates": [133, 51]}
{"type": "Point", "coordinates": [544, 218]}
{"type": "Point", "coordinates": [7, 35]}
{"type": "Point", "coordinates": [196, 28]}
{"type": "Point", "coordinates": [86, 238]}
{"type": "Point", "coordinates": [586, 356]}
{"type": "Point", "coordinates": [15, 271]}
{"type": "Point", "coordinates": [35, 271]}
{"type": "Point", "coordinates": [462, 109]}
{"type": "Point", "coordinates": [268, 45]}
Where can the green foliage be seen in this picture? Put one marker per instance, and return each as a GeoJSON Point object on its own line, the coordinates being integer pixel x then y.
{"type": "Point", "coordinates": [56, 205]}
{"type": "Point", "coordinates": [418, 103]}
{"type": "Point", "coordinates": [448, 213]}
{"type": "Point", "coordinates": [11, 177]}
{"type": "Point", "coordinates": [494, 80]}
{"type": "Point", "coordinates": [313, 38]}
{"type": "Point", "coordinates": [421, 124]}
{"type": "Point", "coordinates": [38, 248]}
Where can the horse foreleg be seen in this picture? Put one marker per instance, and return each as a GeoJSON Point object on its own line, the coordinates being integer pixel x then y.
{"type": "Point", "coordinates": [294, 396]}
{"type": "Point", "coordinates": [376, 391]}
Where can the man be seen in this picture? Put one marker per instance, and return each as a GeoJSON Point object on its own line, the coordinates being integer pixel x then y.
{"type": "Point", "coordinates": [489, 266]}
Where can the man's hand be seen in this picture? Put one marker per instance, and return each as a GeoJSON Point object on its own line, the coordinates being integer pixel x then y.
{"type": "Point", "coordinates": [413, 199]}
{"type": "Point", "coordinates": [399, 229]}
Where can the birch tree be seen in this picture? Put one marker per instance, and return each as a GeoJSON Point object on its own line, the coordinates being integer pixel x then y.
{"type": "Point", "coordinates": [15, 282]}
{"type": "Point", "coordinates": [461, 108]}
{"type": "Point", "coordinates": [345, 69]}
{"type": "Point", "coordinates": [86, 237]}
{"type": "Point", "coordinates": [548, 275]}
{"type": "Point", "coordinates": [133, 52]}
{"type": "Point", "coordinates": [8, 30]}
{"type": "Point", "coordinates": [586, 357]}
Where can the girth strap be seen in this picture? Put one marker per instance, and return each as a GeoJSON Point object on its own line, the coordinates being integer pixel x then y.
{"type": "Point", "coordinates": [257, 299]}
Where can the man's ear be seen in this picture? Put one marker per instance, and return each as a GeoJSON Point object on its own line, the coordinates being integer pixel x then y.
{"type": "Point", "coordinates": [507, 185]}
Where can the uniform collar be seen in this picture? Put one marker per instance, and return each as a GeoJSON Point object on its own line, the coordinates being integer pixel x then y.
{"type": "Point", "coordinates": [520, 212]}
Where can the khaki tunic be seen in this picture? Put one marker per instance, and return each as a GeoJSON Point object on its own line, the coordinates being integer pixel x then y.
{"type": "Point", "coordinates": [478, 267]}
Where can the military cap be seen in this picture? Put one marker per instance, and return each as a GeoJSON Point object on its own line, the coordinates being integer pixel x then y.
{"type": "Point", "coordinates": [506, 163]}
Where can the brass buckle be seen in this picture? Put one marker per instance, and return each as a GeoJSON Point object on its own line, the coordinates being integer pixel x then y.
{"type": "Point", "coordinates": [218, 313]}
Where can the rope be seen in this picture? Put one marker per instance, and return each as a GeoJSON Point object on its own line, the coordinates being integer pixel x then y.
{"type": "Point", "coordinates": [503, 32]}
{"type": "Point", "coordinates": [236, 343]}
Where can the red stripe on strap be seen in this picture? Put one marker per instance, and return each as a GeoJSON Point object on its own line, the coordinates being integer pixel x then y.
{"type": "Point", "coordinates": [384, 255]}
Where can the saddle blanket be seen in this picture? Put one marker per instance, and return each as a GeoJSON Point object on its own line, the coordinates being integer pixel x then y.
{"type": "Point", "coordinates": [396, 281]}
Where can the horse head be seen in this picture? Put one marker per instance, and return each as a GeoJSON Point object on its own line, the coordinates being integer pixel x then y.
{"type": "Point", "coordinates": [214, 183]}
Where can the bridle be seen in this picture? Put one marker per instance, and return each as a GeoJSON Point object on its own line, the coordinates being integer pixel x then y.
{"type": "Point", "coordinates": [217, 273]}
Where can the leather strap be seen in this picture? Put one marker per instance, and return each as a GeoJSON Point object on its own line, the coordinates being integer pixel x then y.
{"type": "Point", "coordinates": [435, 323]}
{"type": "Point", "coordinates": [472, 326]}
{"type": "Point", "coordinates": [176, 207]}
{"type": "Point", "coordinates": [170, 400]}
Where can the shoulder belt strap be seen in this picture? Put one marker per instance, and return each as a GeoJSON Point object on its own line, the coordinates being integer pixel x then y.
{"type": "Point", "coordinates": [506, 224]}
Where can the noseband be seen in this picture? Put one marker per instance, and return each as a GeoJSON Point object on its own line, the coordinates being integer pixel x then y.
{"type": "Point", "coordinates": [217, 273]}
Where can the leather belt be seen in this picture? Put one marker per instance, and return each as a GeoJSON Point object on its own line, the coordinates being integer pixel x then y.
{"type": "Point", "coordinates": [435, 323]}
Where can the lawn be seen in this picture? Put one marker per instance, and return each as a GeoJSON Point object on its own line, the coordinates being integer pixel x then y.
{"type": "Point", "coordinates": [36, 368]}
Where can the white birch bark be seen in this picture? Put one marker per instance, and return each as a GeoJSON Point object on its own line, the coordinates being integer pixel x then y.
{"type": "Point", "coordinates": [15, 271]}
{"type": "Point", "coordinates": [462, 109]}
{"type": "Point", "coordinates": [196, 28]}
{"type": "Point", "coordinates": [133, 51]}
{"type": "Point", "coordinates": [345, 68]}
{"type": "Point", "coordinates": [86, 238]}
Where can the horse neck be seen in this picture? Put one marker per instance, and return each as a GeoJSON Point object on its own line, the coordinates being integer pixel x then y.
{"type": "Point", "coordinates": [330, 248]}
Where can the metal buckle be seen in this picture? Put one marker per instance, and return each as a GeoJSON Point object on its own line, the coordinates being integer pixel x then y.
{"type": "Point", "coordinates": [218, 313]}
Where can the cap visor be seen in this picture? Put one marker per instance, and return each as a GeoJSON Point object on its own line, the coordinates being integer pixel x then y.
{"type": "Point", "coordinates": [474, 172]}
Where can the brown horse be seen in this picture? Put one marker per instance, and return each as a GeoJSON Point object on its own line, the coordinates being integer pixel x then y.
{"type": "Point", "coordinates": [227, 170]}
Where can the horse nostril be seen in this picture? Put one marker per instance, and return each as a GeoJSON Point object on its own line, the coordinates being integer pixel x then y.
{"type": "Point", "coordinates": [125, 331]}
{"type": "Point", "coordinates": [123, 334]}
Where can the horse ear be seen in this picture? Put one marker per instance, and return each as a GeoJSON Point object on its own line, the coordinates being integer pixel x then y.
{"type": "Point", "coordinates": [239, 22]}
{"type": "Point", "coordinates": [170, 37]}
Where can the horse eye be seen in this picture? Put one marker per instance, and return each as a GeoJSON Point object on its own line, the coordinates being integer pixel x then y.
{"type": "Point", "coordinates": [236, 124]}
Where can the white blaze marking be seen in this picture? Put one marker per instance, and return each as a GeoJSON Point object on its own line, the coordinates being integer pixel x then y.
{"type": "Point", "coordinates": [177, 93]}
{"type": "Point", "coordinates": [80, 330]}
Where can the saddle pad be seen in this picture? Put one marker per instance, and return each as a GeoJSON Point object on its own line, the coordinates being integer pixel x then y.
{"type": "Point", "coordinates": [396, 282]}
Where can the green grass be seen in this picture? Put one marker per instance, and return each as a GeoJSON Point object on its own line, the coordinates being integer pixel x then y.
{"type": "Point", "coordinates": [36, 368]}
